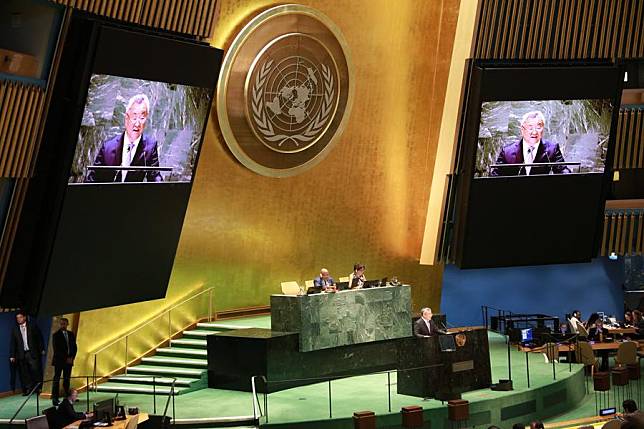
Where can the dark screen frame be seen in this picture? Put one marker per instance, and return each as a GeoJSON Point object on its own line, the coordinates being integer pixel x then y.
{"type": "Point", "coordinates": [53, 229]}
{"type": "Point", "coordinates": [524, 80]}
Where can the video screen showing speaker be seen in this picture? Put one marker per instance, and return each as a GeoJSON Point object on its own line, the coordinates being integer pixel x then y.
{"type": "Point", "coordinates": [558, 136]}
{"type": "Point", "coordinates": [136, 130]}
{"type": "Point", "coordinates": [535, 144]}
{"type": "Point", "coordinates": [118, 158]}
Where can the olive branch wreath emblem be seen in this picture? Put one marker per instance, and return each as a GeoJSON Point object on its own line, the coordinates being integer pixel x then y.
{"type": "Point", "coordinates": [264, 125]}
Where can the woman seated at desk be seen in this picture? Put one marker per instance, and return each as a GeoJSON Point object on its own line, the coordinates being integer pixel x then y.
{"type": "Point", "coordinates": [357, 278]}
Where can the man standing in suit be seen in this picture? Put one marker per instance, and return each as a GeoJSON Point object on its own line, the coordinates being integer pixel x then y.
{"type": "Point", "coordinates": [26, 350]}
{"type": "Point", "coordinates": [425, 326]}
{"type": "Point", "coordinates": [64, 345]}
{"type": "Point", "coordinates": [131, 148]}
{"type": "Point", "coordinates": [531, 149]}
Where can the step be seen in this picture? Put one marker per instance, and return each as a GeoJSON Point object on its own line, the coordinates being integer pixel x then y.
{"type": "Point", "coordinates": [214, 326]}
{"type": "Point", "coordinates": [175, 361]}
{"type": "Point", "coordinates": [171, 371]}
{"type": "Point", "coordinates": [182, 352]}
{"type": "Point", "coordinates": [141, 379]}
{"type": "Point", "coordinates": [198, 333]}
{"type": "Point", "coordinates": [137, 388]}
{"type": "Point", "coordinates": [189, 343]}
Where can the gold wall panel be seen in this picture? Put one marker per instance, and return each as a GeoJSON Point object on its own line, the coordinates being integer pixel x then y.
{"type": "Point", "coordinates": [366, 201]}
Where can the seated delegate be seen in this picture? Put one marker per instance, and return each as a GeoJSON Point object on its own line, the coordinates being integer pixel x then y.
{"type": "Point", "coordinates": [357, 278]}
{"type": "Point", "coordinates": [65, 414]}
{"type": "Point", "coordinates": [324, 280]}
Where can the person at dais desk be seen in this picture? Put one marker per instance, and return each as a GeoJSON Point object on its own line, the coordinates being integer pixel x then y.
{"type": "Point", "coordinates": [324, 280]}
{"type": "Point", "coordinates": [357, 278]}
{"type": "Point", "coordinates": [66, 413]}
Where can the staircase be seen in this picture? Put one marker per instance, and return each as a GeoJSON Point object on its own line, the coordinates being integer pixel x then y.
{"type": "Point", "coordinates": [185, 359]}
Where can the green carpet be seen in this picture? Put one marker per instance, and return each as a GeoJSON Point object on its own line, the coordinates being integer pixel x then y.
{"type": "Point", "coordinates": [370, 392]}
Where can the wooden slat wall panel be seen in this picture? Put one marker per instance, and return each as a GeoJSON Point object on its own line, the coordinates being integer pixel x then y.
{"type": "Point", "coordinates": [560, 29]}
{"type": "Point", "coordinates": [629, 141]}
{"type": "Point", "coordinates": [623, 232]}
{"type": "Point", "coordinates": [20, 109]}
{"type": "Point", "coordinates": [194, 17]}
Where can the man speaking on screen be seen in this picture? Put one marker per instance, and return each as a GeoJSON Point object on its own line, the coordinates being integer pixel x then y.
{"type": "Point", "coordinates": [531, 149]}
{"type": "Point", "coordinates": [131, 148]}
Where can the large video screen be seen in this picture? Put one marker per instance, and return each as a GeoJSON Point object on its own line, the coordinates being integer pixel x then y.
{"type": "Point", "coordinates": [136, 130]}
{"type": "Point", "coordinates": [561, 136]}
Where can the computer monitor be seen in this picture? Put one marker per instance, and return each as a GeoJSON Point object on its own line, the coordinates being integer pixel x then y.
{"type": "Point", "coordinates": [370, 283]}
{"type": "Point", "coordinates": [104, 410]}
{"type": "Point", "coordinates": [314, 289]}
{"type": "Point", "coordinates": [526, 335]}
{"type": "Point", "coordinates": [447, 343]}
{"type": "Point", "coordinates": [342, 285]}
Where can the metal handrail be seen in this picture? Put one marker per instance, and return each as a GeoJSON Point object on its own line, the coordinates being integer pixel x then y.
{"type": "Point", "coordinates": [167, 312]}
{"type": "Point", "coordinates": [39, 385]}
{"type": "Point", "coordinates": [159, 315]}
{"type": "Point", "coordinates": [258, 413]}
{"type": "Point", "coordinates": [257, 409]}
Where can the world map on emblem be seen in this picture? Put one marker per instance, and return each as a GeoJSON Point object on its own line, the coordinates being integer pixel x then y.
{"type": "Point", "coordinates": [291, 93]}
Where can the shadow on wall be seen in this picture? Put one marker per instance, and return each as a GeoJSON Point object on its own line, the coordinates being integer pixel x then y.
{"type": "Point", "coordinates": [551, 289]}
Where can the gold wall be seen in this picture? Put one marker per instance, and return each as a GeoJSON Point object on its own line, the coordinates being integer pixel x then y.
{"type": "Point", "coordinates": [367, 201]}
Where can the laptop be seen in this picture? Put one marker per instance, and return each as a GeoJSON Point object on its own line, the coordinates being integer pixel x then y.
{"type": "Point", "coordinates": [370, 283]}
{"type": "Point", "coordinates": [314, 289]}
{"type": "Point", "coordinates": [447, 343]}
{"type": "Point", "coordinates": [342, 285]}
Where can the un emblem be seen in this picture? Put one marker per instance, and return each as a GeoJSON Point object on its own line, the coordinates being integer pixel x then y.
{"type": "Point", "coordinates": [291, 68]}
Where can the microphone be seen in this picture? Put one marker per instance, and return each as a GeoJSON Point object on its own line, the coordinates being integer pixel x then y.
{"type": "Point", "coordinates": [545, 152]}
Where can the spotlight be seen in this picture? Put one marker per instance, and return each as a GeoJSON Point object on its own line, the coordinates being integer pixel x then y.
{"type": "Point", "coordinates": [612, 256]}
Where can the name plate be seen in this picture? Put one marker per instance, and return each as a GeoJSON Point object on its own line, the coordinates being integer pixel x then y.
{"type": "Point", "coordinates": [465, 365]}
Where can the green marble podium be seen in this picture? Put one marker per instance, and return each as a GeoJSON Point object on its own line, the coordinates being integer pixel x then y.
{"type": "Point", "coordinates": [344, 318]}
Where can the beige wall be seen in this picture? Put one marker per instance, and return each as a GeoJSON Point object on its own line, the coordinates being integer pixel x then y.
{"type": "Point", "coordinates": [244, 233]}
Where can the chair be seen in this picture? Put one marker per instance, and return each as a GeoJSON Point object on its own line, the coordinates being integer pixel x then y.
{"type": "Point", "coordinates": [52, 416]}
{"type": "Point", "coordinates": [308, 283]}
{"type": "Point", "coordinates": [612, 424]}
{"type": "Point", "coordinates": [583, 332]}
{"type": "Point", "coordinates": [343, 279]}
{"type": "Point", "coordinates": [39, 422]}
{"type": "Point", "coordinates": [551, 352]}
{"type": "Point", "coordinates": [290, 288]}
{"type": "Point", "coordinates": [626, 354]}
{"type": "Point", "coordinates": [132, 422]}
{"type": "Point", "coordinates": [585, 355]}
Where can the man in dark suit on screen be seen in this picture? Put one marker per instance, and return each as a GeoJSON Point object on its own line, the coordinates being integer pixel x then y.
{"type": "Point", "coordinates": [26, 350]}
{"type": "Point", "coordinates": [131, 148]}
{"type": "Point", "coordinates": [531, 149]}
{"type": "Point", "coordinates": [425, 326]}
{"type": "Point", "coordinates": [64, 346]}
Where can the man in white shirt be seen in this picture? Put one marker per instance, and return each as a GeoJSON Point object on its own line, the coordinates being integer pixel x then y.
{"type": "Point", "coordinates": [425, 326]}
{"type": "Point", "coordinates": [531, 149]}
{"type": "Point", "coordinates": [131, 148]}
{"type": "Point", "coordinates": [26, 350]}
{"type": "Point", "coordinates": [575, 320]}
